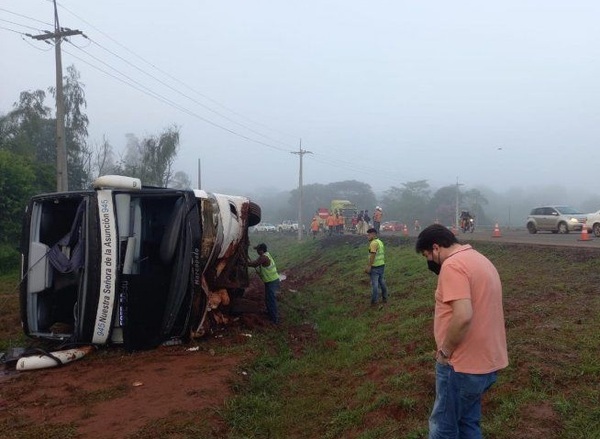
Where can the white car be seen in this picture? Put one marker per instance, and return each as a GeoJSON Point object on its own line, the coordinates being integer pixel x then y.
{"type": "Point", "coordinates": [288, 226]}
{"type": "Point", "coordinates": [593, 222]}
{"type": "Point", "coordinates": [264, 227]}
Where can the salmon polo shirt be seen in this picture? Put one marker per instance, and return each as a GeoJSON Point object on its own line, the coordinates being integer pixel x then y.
{"type": "Point", "coordinates": [467, 274]}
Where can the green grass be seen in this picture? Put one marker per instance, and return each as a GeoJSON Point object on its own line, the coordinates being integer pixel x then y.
{"type": "Point", "coordinates": [339, 368]}
{"type": "Point", "coordinates": [367, 374]}
{"type": "Point", "coordinates": [11, 334]}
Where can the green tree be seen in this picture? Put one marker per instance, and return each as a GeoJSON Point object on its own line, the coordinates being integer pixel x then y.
{"type": "Point", "coordinates": [180, 181]}
{"type": "Point", "coordinates": [473, 200]}
{"type": "Point", "coordinates": [151, 159]}
{"type": "Point", "coordinates": [76, 132]}
{"type": "Point", "coordinates": [103, 160]}
{"type": "Point", "coordinates": [442, 206]}
{"type": "Point", "coordinates": [27, 132]}
{"type": "Point", "coordinates": [408, 203]}
{"type": "Point", "coordinates": [17, 179]}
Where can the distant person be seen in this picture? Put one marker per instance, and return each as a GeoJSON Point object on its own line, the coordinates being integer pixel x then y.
{"type": "Point", "coordinates": [417, 226]}
{"type": "Point", "coordinates": [314, 227]}
{"type": "Point", "coordinates": [267, 271]}
{"type": "Point", "coordinates": [468, 329]}
{"type": "Point", "coordinates": [331, 223]}
{"type": "Point", "coordinates": [377, 218]}
{"type": "Point", "coordinates": [367, 220]}
{"type": "Point", "coordinates": [354, 222]}
{"type": "Point", "coordinates": [340, 224]}
{"type": "Point", "coordinates": [360, 222]}
{"type": "Point", "coordinates": [376, 266]}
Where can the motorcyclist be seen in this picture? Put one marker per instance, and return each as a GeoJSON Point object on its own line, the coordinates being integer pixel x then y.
{"type": "Point", "coordinates": [467, 223]}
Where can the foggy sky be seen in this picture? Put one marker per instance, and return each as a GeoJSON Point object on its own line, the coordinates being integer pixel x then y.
{"type": "Point", "coordinates": [497, 94]}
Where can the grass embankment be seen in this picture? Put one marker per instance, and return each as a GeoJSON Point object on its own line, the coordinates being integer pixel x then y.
{"type": "Point", "coordinates": [339, 368]}
{"type": "Point", "coordinates": [368, 372]}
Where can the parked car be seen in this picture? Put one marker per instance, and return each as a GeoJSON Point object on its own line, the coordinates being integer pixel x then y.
{"type": "Point", "coordinates": [392, 226]}
{"type": "Point", "coordinates": [555, 219]}
{"type": "Point", "coordinates": [264, 227]}
{"type": "Point", "coordinates": [593, 222]}
{"type": "Point", "coordinates": [288, 226]}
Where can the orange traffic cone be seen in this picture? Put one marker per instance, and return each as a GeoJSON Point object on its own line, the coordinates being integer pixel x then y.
{"type": "Point", "coordinates": [496, 233]}
{"type": "Point", "coordinates": [405, 230]}
{"type": "Point", "coordinates": [584, 233]}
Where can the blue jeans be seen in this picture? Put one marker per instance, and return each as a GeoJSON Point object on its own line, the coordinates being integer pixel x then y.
{"type": "Point", "coordinates": [378, 281]}
{"type": "Point", "coordinates": [271, 288]}
{"type": "Point", "coordinates": [457, 409]}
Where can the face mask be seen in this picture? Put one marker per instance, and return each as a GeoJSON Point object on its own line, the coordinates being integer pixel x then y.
{"type": "Point", "coordinates": [434, 266]}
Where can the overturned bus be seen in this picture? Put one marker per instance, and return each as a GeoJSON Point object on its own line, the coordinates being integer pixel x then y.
{"type": "Point", "coordinates": [128, 264]}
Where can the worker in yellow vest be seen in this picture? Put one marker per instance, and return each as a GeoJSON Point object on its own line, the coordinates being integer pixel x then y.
{"type": "Point", "coordinates": [376, 266]}
{"type": "Point", "coordinates": [267, 271]}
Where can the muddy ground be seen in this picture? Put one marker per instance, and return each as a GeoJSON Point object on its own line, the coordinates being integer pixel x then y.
{"type": "Point", "coordinates": [113, 393]}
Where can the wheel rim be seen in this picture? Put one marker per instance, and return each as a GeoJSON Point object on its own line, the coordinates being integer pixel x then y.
{"type": "Point", "coordinates": [562, 228]}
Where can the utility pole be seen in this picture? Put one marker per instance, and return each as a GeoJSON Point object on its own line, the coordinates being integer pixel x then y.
{"type": "Point", "coordinates": [457, 198]}
{"type": "Point", "coordinates": [199, 175]}
{"type": "Point", "coordinates": [301, 153]}
{"type": "Point", "coordinates": [62, 180]}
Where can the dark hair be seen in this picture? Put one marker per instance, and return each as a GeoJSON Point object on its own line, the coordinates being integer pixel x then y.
{"type": "Point", "coordinates": [372, 230]}
{"type": "Point", "coordinates": [261, 247]}
{"type": "Point", "coordinates": [434, 234]}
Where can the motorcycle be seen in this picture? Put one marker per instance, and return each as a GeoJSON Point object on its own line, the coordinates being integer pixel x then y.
{"type": "Point", "coordinates": [467, 225]}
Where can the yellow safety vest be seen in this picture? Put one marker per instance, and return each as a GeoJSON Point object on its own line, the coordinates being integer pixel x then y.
{"type": "Point", "coordinates": [269, 273]}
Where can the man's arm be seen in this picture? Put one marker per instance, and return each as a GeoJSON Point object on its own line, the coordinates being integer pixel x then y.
{"type": "Point", "coordinates": [371, 257]}
{"type": "Point", "coordinates": [462, 313]}
{"type": "Point", "coordinates": [261, 260]}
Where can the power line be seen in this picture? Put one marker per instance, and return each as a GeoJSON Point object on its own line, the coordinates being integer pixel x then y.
{"type": "Point", "coordinates": [19, 24]}
{"type": "Point", "coordinates": [25, 16]}
{"type": "Point", "coordinates": [12, 30]}
{"type": "Point", "coordinates": [169, 102]}
{"type": "Point", "coordinates": [185, 95]}
{"type": "Point", "coordinates": [176, 79]}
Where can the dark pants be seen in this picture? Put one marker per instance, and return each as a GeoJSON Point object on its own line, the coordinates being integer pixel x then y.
{"type": "Point", "coordinates": [271, 288]}
{"type": "Point", "coordinates": [378, 282]}
{"type": "Point", "coordinates": [457, 409]}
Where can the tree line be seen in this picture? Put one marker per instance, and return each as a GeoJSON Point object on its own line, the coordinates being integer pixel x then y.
{"type": "Point", "coordinates": [413, 200]}
{"type": "Point", "coordinates": [28, 156]}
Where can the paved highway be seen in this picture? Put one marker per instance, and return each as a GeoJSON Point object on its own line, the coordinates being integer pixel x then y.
{"type": "Point", "coordinates": [522, 236]}
{"type": "Point", "coordinates": [573, 239]}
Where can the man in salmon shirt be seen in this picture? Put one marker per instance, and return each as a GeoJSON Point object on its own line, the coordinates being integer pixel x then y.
{"type": "Point", "coordinates": [469, 332]}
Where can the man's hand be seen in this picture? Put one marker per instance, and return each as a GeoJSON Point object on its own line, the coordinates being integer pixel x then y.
{"type": "Point", "coordinates": [442, 358]}
{"type": "Point", "coordinates": [368, 270]}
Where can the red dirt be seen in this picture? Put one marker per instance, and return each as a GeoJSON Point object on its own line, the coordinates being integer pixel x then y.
{"type": "Point", "coordinates": [112, 393]}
